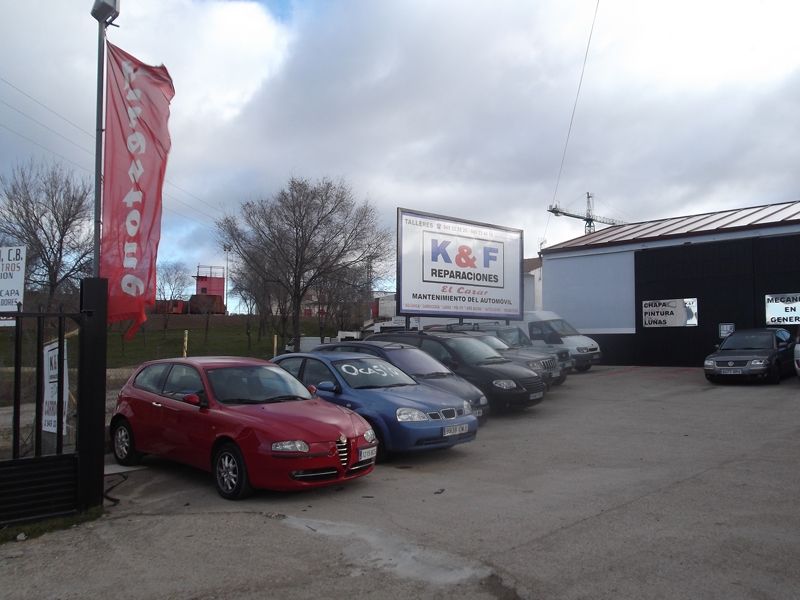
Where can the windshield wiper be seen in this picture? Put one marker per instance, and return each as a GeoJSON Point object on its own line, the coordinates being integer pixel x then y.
{"type": "Point", "coordinates": [492, 359]}
{"type": "Point", "coordinates": [283, 398]}
{"type": "Point", "coordinates": [434, 375]}
{"type": "Point", "coordinates": [372, 387]}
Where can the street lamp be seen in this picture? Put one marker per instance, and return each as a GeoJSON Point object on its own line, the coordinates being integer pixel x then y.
{"type": "Point", "coordinates": [227, 248]}
{"type": "Point", "coordinates": [105, 11]}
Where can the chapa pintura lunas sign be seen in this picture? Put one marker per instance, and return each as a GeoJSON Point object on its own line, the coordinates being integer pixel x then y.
{"type": "Point", "coordinates": [673, 312]}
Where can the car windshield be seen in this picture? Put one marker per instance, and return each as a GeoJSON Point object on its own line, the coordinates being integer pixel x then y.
{"type": "Point", "coordinates": [472, 350]}
{"type": "Point", "coordinates": [743, 340]}
{"type": "Point", "coordinates": [364, 373]}
{"type": "Point", "coordinates": [255, 384]}
{"type": "Point", "coordinates": [514, 337]}
{"type": "Point", "coordinates": [416, 362]}
{"type": "Point", "coordinates": [562, 328]}
{"type": "Point", "coordinates": [493, 342]}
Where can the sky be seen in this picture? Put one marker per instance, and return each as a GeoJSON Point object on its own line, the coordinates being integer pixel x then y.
{"type": "Point", "coordinates": [451, 107]}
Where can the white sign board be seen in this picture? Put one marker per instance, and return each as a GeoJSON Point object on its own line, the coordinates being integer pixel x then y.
{"type": "Point", "coordinates": [451, 267]}
{"type": "Point", "coordinates": [674, 312]}
{"type": "Point", "coordinates": [782, 309]}
{"type": "Point", "coordinates": [12, 280]}
{"type": "Point", "coordinates": [50, 375]}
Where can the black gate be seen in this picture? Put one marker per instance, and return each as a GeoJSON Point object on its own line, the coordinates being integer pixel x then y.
{"type": "Point", "coordinates": [48, 470]}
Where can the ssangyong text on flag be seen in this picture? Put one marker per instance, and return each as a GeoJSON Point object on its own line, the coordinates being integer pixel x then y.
{"type": "Point", "coordinates": [135, 160]}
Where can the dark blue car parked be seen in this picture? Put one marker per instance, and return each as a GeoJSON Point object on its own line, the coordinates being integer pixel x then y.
{"type": "Point", "coordinates": [406, 416]}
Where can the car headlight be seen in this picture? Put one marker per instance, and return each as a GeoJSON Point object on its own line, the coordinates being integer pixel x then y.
{"type": "Point", "coordinates": [369, 435]}
{"type": "Point", "coordinates": [758, 362]}
{"type": "Point", "coordinates": [708, 363]}
{"type": "Point", "coordinates": [482, 401]}
{"type": "Point", "coordinates": [505, 384]}
{"type": "Point", "coordinates": [582, 349]}
{"type": "Point", "coordinates": [535, 364]}
{"type": "Point", "coordinates": [467, 408]}
{"type": "Point", "coordinates": [411, 414]}
{"type": "Point", "coordinates": [290, 446]}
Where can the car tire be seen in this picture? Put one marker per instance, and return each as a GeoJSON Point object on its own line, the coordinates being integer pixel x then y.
{"type": "Point", "coordinates": [583, 368]}
{"type": "Point", "coordinates": [712, 378]}
{"type": "Point", "coordinates": [230, 473]}
{"type": "Point", "coordinates": [122, 444]}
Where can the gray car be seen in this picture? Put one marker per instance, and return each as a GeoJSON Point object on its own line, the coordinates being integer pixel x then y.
{"type": "Point", "coordinates": [758, 354]}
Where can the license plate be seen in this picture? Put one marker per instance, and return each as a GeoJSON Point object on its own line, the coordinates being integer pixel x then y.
{"type": "Point", "coordinates": [555, 374]}
{"type": "Point", "coordinates": [536, 395]}
{"type": "Point", "coordinates": [730, 371]}
{"type": "Point", "coordinates": [455, 430]}
{"type": "Point", "coordinates": [478, 412]}
{"type": "Point", "coordinates": [366, 453]}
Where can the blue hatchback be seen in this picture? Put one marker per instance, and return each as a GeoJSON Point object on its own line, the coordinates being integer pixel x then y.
{"type": "Point", "coordinates": [406, 416]}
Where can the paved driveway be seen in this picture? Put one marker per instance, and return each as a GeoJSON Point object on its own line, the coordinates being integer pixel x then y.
{"type": "Point", "coordinates": [626, 482]}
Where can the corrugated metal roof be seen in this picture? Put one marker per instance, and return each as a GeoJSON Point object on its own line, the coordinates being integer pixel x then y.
{"type": "Point", "coordinates": [754, 217]}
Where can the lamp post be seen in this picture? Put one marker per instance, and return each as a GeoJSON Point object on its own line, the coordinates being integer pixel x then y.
{"type": "Point", "coordinates": [227, 248]}
{"type": "Point", "coordinates": [105, 11]}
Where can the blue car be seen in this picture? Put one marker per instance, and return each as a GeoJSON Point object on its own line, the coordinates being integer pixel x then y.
{"type": "Point", "coordinates": [405, 415]}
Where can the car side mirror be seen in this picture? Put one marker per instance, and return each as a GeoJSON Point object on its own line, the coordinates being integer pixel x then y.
{"type": "Point", "coordinates": [312, 389]}
{"type": "Point", "coordinates": [193, 399]}
{"type": "Point", "coordinates": [327, 386]}
{"type": "Point", "coordinates": [716, 347]}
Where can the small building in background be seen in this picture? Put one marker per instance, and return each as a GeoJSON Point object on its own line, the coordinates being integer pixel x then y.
{"type": "Point", "coordinates": [209, 296]}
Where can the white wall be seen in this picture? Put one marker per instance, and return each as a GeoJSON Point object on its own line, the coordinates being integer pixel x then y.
{"type": "Point", "coordinates": [594, 292]}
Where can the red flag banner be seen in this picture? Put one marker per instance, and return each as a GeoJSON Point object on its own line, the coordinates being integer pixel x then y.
{"type": "Point", "coordinates": [135, 160]}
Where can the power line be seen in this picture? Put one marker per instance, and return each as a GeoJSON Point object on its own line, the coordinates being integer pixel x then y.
{"type": "Point", "coordinates": [575, 105]}
{"type": "Point", "coordinates": [43, 105]}
{"type": "Point", "coordinates": [90, 171]}
{"type": "Point", "coordinates": [50, 129]}
{"type": "Point", "coordinates": [91, 135]}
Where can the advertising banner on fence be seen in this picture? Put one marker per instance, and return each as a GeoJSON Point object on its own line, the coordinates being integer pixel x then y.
{"type": "Point", "coordinates": [137, 144]}
{"type": "Point", "coordinates": [452, 267]}
{"type": "Point", "coordinates": [12, 280]}
{"type": "Point", "coordinates": [782, 309]}
{"type": "Point", "coordinates": [50, 376]}
{"type": "Point", "coordinates": [674, 312]}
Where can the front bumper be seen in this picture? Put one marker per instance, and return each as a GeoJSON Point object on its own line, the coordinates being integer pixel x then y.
{"type": "Point", "coordinates": [411, 436]}
{"type": "Point", "coordinates": [586, 358]}
{"type": "Point", "coordinates": [287, 471]}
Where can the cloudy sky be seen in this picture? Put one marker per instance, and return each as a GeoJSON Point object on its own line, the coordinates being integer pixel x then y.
{"type": "Point", "coordinates": [454, 107]}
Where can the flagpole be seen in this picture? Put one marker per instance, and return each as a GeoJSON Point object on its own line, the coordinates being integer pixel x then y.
{"type": "Point", "coordinates": [98, 148]}
{"type": "Point", "coordinates": [105, 11]}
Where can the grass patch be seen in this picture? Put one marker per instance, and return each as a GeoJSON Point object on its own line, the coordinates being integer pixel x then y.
{"type": "Point", "coordinates": [32, 530]}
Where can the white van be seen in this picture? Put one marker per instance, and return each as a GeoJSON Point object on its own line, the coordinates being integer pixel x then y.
{"type": "Point", "coordinates": [546, 327]}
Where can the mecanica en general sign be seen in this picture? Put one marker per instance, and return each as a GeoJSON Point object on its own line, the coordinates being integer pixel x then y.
{"type": "Point", "coordinates": [782, 309]}
{"type": "Point", "coordinates": [452, 267]}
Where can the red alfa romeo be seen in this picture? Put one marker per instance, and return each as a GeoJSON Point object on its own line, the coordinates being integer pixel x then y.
{"type": "Point", "coordinates": [246, 420]}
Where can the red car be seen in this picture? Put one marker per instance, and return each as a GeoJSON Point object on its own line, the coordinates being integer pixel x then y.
{"type": "Point", "coordinates": [246, 420]}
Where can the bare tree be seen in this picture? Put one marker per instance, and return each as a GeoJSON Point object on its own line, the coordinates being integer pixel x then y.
{"type": "Point", "coordinates": [49, 210]}
{"type": "Point", "coordinates": [307, 231]}
{"type": "Point", "coordinates": [172, 279]}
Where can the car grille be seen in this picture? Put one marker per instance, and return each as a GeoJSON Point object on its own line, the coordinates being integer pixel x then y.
{"type": "Point", "coordinates": [342, 451]}
{"type": "Point", "coordinates": [532, 385]}
{"type": "Point", "coordinates": [446, 413]}
{"type": "Point", "coordinates": [732, 363]}
{"type": "Point", "coordinates": [549, 364]}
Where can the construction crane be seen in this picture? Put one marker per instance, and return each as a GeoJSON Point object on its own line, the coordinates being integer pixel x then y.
{"type": "Point", "coordinates": [589, 218]}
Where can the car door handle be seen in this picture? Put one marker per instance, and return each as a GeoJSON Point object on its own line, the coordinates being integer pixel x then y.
{"type": "Point", "coordinates": [156, 404]}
